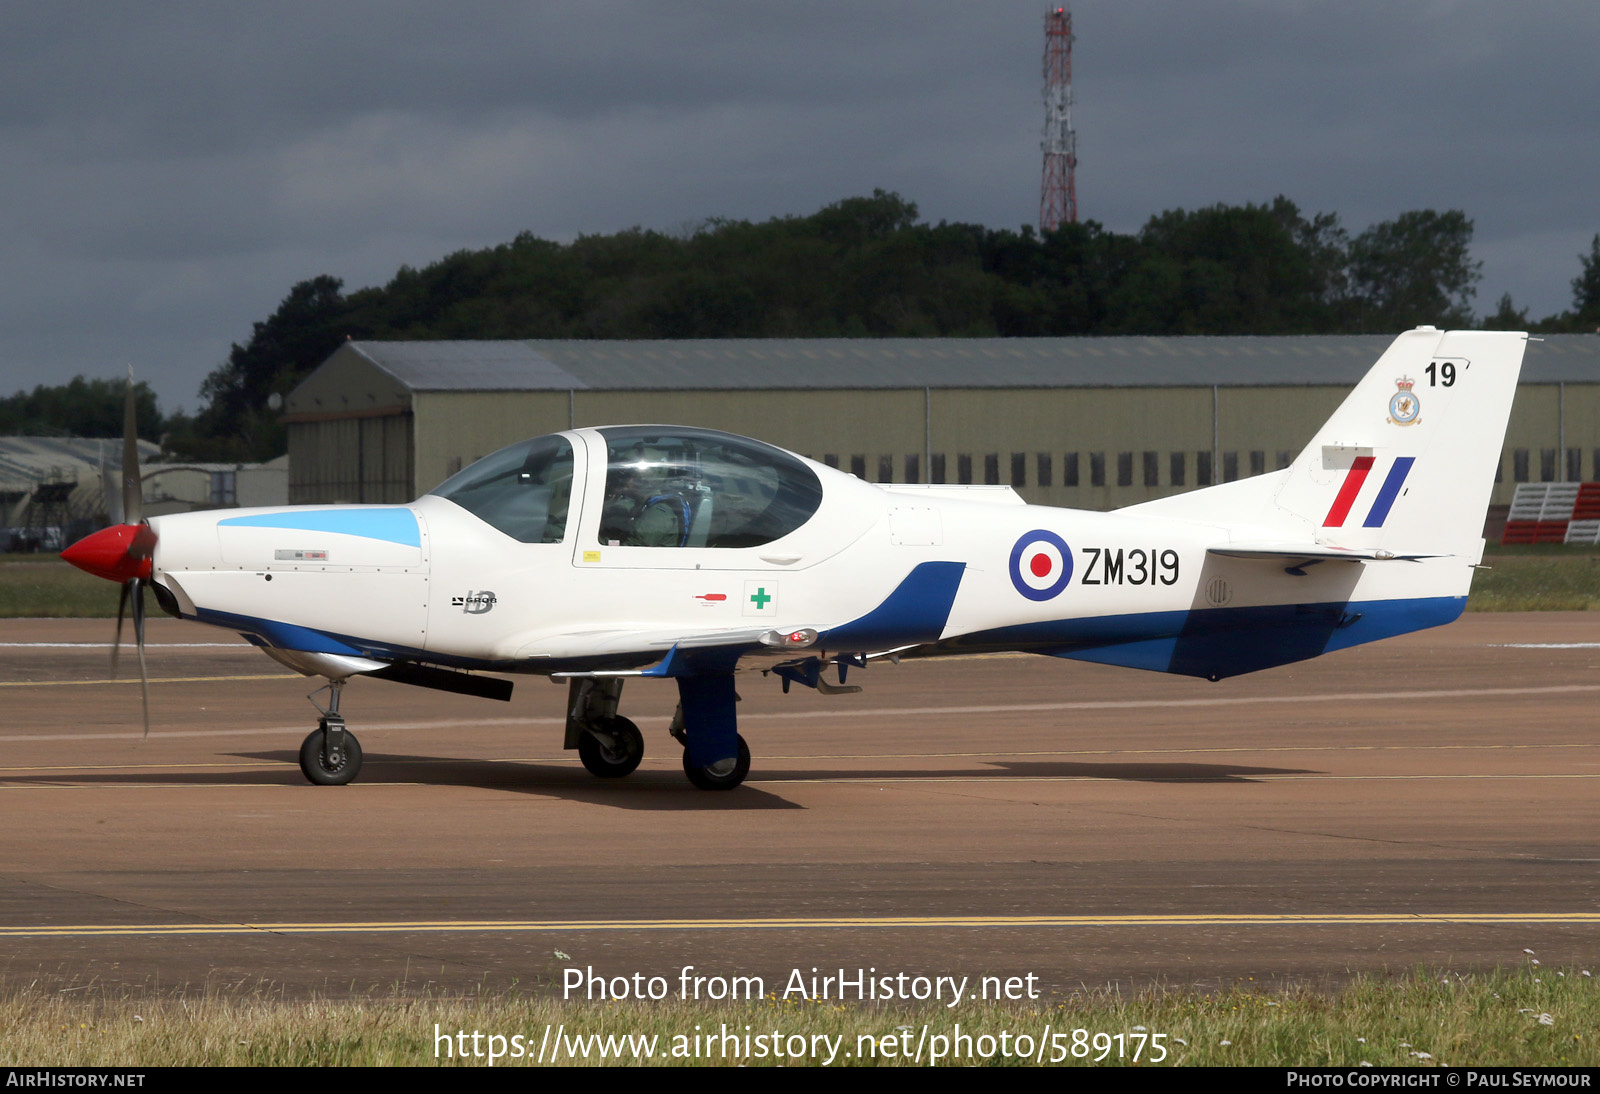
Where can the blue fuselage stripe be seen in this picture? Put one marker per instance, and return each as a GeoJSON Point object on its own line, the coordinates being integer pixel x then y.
{"type": "Point", "coordinates": [1215, 643]}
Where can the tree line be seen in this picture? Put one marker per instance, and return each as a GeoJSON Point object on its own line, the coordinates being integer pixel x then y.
{"type": "Point", "coordinates": [870, 267]}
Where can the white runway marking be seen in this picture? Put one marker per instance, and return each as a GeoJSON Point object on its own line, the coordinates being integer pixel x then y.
{"type": "Point", "coordinates": [107, 645]}
{"type": "Point", "coordinates": [1545, 645]}
{"type": "Point", "coordinates": [93, 930]}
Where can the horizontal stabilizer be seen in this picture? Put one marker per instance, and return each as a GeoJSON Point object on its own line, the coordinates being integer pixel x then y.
{"type": "Point", "coordinates": [1309, 552]}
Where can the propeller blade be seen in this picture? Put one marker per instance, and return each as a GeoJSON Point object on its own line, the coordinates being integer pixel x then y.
{"type": "Point", "coordinates": [116, 643]}
{"type": "Point", "coordinates": [111, 488]}
{"type": "Point", "coordinates": [138, 641]}
{"type": "Point", "coordinates": [132, 486]}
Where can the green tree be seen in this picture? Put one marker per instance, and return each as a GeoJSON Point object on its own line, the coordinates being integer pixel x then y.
{"type": "Point", "coordinates": [1226, 269]}
{"type": "Point", "coordinates": [236, 423]}
{"type": "Point", "coordinates": [80, 408]}
{"type": "Point", "coordinates": [1415, 269]}
{"type": "Point", "coordinates": [1507, 316]}
{"type": "Point", "coordinates": [1586, 288]}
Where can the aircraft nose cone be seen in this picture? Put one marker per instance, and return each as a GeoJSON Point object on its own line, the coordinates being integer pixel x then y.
{"type": "Point", "coordinates": [119, 553]}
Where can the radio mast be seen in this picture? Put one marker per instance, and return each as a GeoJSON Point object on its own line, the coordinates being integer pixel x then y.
{"type": "Point", "coordinates": [1058, 199]}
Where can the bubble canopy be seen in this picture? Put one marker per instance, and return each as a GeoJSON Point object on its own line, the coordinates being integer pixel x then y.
{"type": "Point", "coordinates": [525, 490]}
{"type": "Point", "coordinates": [664, 486]}
{"type": "Point", "coordinates": [680, 487]}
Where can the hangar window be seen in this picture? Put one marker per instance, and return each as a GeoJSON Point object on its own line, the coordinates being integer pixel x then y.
{"type": "Point", "coordinates": [524, 490]}
{"type": "Point", "coordinates": [1043, 464]}
{"type": "Point", "coordinates": [1097, 469]}
{"type": "Point", "coordinates": [1124, 468]}
{"type": "Point", "coordinates": [1202, 469]}
{"type": "Point", "coordinates": [1152, 469]}
{"type": "Point", "coordinates": [964, 469]}
{"type": "Point", "coordinates": [913, 472]}
{"type": "Point", "coordinates": [701, 488]}
{"type": "Point", "coordinates": [1178, 468]}
{"type": "Point", "coordinates": [1547, 465]}
{"type": "Point", "coordinates": [1519, 465]}
{"type": "Point", "coordinates": [885, 468]}
{"type": "Point", "coordinates": [1019, 469]}
{"type": "Point", "coordinates": [1069, 469]}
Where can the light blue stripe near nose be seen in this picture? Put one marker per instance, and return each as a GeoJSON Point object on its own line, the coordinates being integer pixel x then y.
{"type": "Point", "coordinates": [395, 525]}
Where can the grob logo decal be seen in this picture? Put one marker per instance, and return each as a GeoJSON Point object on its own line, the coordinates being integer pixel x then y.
{"type": "Point", "coordinates": [1041, 564]}
{"type": "Point", "coordinates": [475, 603]}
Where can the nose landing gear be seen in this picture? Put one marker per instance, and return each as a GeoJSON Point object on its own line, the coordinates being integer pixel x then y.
{"type": "Point", "coordinates": [330, 754]}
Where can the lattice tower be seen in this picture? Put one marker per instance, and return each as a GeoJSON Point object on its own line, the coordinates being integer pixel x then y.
{"type": "Point", "coordinates": [1058, 198]}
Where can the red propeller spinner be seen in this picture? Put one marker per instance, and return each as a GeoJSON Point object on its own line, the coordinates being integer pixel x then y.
{"type": "Point", "coordinates": [118, 553]}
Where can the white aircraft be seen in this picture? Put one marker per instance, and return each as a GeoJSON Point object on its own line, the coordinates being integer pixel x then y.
{"type": "Point", "coordinates": [595, 555]}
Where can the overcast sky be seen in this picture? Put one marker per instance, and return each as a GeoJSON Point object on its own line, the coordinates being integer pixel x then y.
{"type": "Point", "coordinates": [168, 170]}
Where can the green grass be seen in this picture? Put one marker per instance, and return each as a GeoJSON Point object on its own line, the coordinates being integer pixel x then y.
{"type": "Point", "coordinates": [44, 587]}
{"type": "Point", "coordinates": [1529, 1017]}
{"type": "Point", "coordinates": [1537, 579]}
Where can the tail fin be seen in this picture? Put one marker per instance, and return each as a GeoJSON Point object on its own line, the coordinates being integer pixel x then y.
{"type": "Point", "coordinates": [1405, 465]}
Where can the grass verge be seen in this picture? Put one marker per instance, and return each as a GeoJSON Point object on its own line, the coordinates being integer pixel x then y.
{"type": "Point", "coordinates": [44, 587]}
{"type": "Point", "coordinates": [1537, 579]}
{"type": "Point", "coordinates": [1529, 1017]}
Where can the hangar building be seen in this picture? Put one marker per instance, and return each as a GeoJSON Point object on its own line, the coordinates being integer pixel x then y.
{"type": "Point", "coordinates": [1092, 423]}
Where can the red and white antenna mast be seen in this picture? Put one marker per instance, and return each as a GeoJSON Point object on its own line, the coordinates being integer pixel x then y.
{"type": "Point", "coordinates": [1058, 198]}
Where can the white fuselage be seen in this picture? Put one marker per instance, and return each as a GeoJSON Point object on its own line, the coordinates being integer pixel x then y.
{"type": "Point", "coordinates": [430, 581]}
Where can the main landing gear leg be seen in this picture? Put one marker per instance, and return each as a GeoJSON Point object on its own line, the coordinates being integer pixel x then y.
{"type": "Point", "coordinates": [715, 757]}
{"type": "Point", "coordinates": [609, 745]}
{"type": "Point", "coordinates": [330, 755]}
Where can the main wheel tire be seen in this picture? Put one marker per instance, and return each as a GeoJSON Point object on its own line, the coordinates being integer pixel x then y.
{"type": "Point", "coordinates": [314, 759]}
{"type": "Point", "coordinates": [617, 758]}
{"type": "Point", "coordinates": [723, 775]}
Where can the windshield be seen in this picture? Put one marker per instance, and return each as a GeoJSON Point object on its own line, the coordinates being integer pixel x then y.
{"type": "Point", "coordinates": [675, 487]}
{"type": "Point", "coordinates": [525, 490]}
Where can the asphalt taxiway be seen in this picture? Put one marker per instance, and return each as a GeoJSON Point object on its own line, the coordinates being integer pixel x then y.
{"type": "Point", "coordinates": [1429, 801]}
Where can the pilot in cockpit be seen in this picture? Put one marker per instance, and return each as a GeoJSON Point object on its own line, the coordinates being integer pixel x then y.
{"type": "Point", "coordinates": [638, 513]}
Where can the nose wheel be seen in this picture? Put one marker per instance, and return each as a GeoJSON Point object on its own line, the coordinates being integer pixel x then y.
{"type": "Point", "coordinates": [330, 754]}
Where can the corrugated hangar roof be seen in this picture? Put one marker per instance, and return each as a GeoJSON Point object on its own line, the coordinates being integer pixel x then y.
{"type": "Point", "coordinates": [28, 460]}
{"type": "Point", "coordinates": [775, 363]}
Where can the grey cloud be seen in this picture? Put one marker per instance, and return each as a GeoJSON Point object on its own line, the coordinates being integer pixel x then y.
{"type": "Point", "coordinates": [168, 171]}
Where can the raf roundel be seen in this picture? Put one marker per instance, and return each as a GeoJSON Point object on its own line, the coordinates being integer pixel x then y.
{"type": "Point", "coordinates": [1041, 564]}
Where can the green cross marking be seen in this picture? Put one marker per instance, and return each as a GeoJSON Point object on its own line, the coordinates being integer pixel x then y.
{"type": "Point", "coordinates": [761, 598]}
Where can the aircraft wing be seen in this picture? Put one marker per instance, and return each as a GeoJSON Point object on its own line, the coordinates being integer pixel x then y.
{"type": "Point", "coordinates": [679, 652]}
